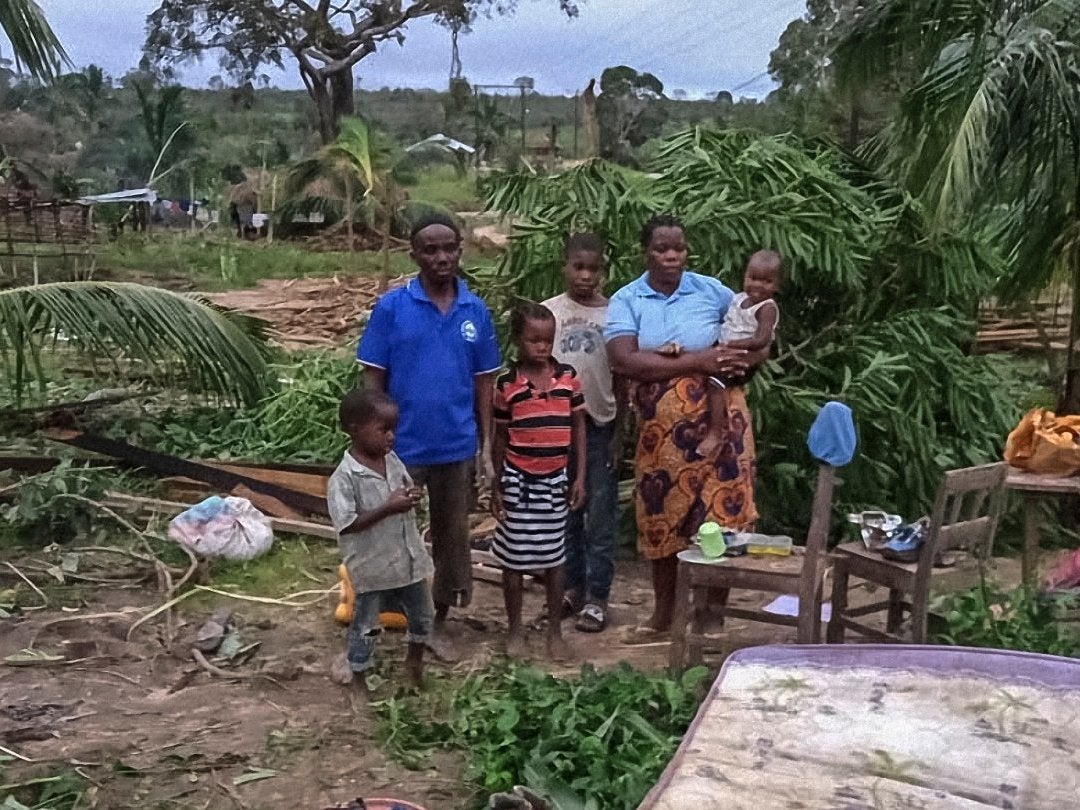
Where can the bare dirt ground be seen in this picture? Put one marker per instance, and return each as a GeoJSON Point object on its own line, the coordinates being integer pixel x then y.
{"type": "Point", "coordinates": [148, 727]}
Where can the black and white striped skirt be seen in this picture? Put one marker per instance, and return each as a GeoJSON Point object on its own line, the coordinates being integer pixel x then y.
{"type": "Point", "coordinates": [533, 536]}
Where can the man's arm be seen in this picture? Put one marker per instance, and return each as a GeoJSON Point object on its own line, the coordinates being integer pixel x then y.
{"type": "Point", "coordinates": [375, 378]}
{"type": "Point", "coordinates": [483, 390]}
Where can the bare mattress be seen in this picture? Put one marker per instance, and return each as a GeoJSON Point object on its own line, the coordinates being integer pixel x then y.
{"type": "Point", "coordinates": [881, 727]}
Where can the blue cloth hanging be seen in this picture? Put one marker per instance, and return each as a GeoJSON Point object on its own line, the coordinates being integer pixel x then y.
{"type": "Point", "coordinates": [832, 436]}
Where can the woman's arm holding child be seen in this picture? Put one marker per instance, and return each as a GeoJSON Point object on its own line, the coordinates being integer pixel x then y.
{"type": "Point", "coordinates": [766, 316]}
{"type": "Point", "coordinates": [627, 359]}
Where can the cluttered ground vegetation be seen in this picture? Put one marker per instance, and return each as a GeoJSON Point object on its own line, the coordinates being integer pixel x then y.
{"type": "Point", "coordinates": [893, 235]}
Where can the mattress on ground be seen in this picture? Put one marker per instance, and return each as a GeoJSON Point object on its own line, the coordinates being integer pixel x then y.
{"type": "Point", "coordinates": [863, 727]}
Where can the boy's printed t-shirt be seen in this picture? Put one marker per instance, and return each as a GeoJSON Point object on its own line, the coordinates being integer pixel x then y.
{"type": "Point", "coordinates": [579, 342]}
{"type": "Point", "coordinates": [431, 360]}
{"type": "Point", "coordinates": [389, 554]}
{"type": "Point", "coordinates": [539, 422]}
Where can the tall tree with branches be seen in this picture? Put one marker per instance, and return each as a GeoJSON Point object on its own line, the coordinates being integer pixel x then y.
{"type": "Point", "coordinates": [988, 136]}
{"type": "Point", "coordinates": [325, 38]}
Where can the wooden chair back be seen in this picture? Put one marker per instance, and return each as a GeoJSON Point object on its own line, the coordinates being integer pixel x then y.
{"type": "Point", "coordinates": [967, 510]}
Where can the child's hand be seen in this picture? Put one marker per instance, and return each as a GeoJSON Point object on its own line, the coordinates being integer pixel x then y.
{"type": "Point", "coordinates": [577, 493]}
{"type": "Point", "coordinates": [670, 350]}
{"type": "Point", "coordinates": [497, 507]}
{"type": "Point", "coordinates": [402, 500]}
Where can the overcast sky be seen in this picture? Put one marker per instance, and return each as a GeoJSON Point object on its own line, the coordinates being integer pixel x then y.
{"type": "Point", "coordinates": [700, 46]}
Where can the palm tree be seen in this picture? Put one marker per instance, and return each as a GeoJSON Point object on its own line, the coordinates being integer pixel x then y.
{"type": "Point", "coordinates": [170, 336]}
{"type": "Point", "coordinates": [36, 48]}
{"type": "Point", "coordinates": [360, 167]}
{"type": "Point", "coordinates": [989, 135]}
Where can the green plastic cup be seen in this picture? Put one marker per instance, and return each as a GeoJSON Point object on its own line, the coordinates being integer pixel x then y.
{"type": "Point", "coordinates": [711, 540]}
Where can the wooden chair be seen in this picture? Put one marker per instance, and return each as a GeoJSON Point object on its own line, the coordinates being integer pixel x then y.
{"type": "Point", "coordinates": [802, 573]}
{"type": "Point", "coordinates": [952, 527]}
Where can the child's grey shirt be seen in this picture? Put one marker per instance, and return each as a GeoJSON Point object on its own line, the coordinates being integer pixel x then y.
{"type": "Point", "coordinates": [390, 553]}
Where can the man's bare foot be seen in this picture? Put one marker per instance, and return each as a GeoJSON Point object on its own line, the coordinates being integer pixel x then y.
{"type": "Point", "coordinates": [515, 645]}
{"type": "Point", "coordinates": [443, 648]}
{"type": "Point", "coordinates": [415, 672]}
{"type": "Point", "coordinates": [708, 446]}
{"type": "Point", "coordinates": [558, 649]}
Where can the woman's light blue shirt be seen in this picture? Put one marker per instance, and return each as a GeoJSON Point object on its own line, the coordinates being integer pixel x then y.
{"type": "Point", "coordinates": [691, 316]}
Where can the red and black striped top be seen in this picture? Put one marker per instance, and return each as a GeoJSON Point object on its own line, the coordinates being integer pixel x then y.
{"type": "Point", "coordinates": [538, 422]}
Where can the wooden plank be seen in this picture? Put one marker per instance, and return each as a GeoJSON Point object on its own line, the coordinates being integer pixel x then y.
{"type": "Point", "coordinates": [1050, 484]}
{"type": "Point", "coordinates": [174, 508]}
{"type": "Point", "coordinates": [171, 465]}
{"type": "Point", "coordinates": [312, 484]}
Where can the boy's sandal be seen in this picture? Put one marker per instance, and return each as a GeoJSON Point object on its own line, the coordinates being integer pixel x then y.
{"type": "Point", "coordinates": [591, 619]}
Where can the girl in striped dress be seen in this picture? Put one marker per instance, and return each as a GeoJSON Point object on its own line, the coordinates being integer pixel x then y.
{"type": "Point", "coordinates": [539, 419]}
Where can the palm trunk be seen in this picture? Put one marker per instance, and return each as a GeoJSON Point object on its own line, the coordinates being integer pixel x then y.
{"type": "Point", "coordinates": [349, 210]}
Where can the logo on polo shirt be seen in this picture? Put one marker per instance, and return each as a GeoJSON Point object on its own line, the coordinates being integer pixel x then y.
{"type": "Point", "coordinates": [468, 331]}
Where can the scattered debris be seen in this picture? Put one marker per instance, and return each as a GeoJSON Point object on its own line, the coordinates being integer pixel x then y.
{"type": "Point", "coordinates": [308, 312]}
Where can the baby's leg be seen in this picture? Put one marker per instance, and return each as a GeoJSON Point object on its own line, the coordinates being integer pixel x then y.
{"type": "Point", "coordinates": [718, 403]}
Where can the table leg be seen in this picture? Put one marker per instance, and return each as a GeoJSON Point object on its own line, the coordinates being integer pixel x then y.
{"type": "Point", "coordinates": [1030, 562]}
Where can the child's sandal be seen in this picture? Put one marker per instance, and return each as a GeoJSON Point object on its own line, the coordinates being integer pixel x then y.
{"type": "Point", "coordinates": [591, 619]}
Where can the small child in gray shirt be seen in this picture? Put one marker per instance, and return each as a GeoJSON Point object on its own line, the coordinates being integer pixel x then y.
{"type": "Point", "coordinates": [372, 500]}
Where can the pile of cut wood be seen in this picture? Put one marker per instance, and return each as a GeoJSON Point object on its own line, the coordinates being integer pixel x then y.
{"type": "Point", "coordinates": [1041, 325]}
{"type": "Point", "coordinates": [306, 313]}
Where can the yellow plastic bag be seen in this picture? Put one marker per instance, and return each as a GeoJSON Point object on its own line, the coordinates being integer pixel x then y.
{"type": "Point", "coordinates": [343, 613]}
{"type": "Point", "coordinates": [1046, 444]}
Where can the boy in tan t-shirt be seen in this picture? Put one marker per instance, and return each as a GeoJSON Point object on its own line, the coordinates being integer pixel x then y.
{"type": "Point", "coordinates": [591, 532]}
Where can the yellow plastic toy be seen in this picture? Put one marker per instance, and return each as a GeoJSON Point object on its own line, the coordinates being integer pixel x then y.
{"type": "Point", "coordinates": [343, 613]}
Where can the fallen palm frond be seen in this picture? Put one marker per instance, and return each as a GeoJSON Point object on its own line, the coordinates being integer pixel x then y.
{"type": "Point", "coordinates": [877, 305]}
{"type": "Point", "coordinates": [173, 338]}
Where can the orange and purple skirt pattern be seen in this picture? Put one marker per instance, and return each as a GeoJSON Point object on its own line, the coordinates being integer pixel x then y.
{"type": "Point", "coordinates": [678, 490]}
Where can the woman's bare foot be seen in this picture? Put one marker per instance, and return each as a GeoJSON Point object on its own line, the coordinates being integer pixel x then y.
{"type": "Point", "coordinates": [558, 649]}
{"type": "Point", "coordinates": [515, 644]}
{"type": "Point", "coordinates": [659, 624]}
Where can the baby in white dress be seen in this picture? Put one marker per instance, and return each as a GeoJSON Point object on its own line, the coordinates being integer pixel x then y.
{"type": "Point", "coordinates": [750, 324]}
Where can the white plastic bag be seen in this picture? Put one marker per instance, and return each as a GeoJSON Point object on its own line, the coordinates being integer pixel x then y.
{"type": "Point", "coordinates": [223, 527]}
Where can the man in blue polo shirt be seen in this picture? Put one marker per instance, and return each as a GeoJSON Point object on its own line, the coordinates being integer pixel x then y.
{"type": "Point", "coordinates": [431, 346]}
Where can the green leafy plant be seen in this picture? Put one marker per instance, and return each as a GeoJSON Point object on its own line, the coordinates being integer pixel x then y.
{"type": "Point", "coordinates": [298, 422]}
{"type": "Point", "coordinates": [42, 510]}
{"type": "Point", "coordinates": [1022, 619]}
{"type": "Point", "coordinates": [877, 307]}
{"type": "Point", "coordinates": [596, 741]}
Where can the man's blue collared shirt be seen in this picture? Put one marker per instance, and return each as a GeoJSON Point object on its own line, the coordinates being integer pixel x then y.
{"type": "Point", "coordinates": [691, 316]}
{"type": "Point", "coordinates": [430, 361]}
